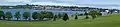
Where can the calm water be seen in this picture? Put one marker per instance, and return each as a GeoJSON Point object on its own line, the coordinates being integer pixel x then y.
{"type": "Point", "coordinates": [69, 12]}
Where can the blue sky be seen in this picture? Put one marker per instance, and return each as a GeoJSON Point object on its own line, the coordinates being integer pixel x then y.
{"type": "Point", "coordinates": [91, 3]}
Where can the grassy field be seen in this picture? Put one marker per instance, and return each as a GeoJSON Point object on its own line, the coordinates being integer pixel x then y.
{"type": "Point", "coordinates": [103, 21]}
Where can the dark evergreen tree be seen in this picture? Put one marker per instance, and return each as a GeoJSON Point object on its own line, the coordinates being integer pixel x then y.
{"type": "Point", "coordinates": [1, 15]}
{"type": "Point", "coordinates": [86, 15]}
{"type": "Point", "coordinates": [65, 17]}
{"type": "Point", "coordinates": [54, 19]}
{"type": "Point", "coordinates": [59, 15]}
{"type": "Point", "coordinates": [76, 17]}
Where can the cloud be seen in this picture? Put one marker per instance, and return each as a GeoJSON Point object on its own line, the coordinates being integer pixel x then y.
{"type": "Point", "coordinates": [14, 2]}
{"type": "Point", "coordinates": [42, 0]}
{"type": "Point", "coordinates": [106, 2]}
{"type": "Point", "coordinates": [51, 3]}
{"type": "Point", "coordinates": [91, 3]}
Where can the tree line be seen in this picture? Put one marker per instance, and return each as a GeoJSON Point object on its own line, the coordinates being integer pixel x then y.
{"type": "Point", "coordinates": [45, 14]}
{"type": "Point", "coordinates": [35, 15]}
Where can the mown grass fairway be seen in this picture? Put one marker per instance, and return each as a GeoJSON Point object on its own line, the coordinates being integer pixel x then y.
{"type": "Point", "coordinates": [103, 21]}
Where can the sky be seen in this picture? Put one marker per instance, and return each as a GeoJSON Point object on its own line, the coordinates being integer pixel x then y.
{"type": "Point", "coordinates": [81, 3]}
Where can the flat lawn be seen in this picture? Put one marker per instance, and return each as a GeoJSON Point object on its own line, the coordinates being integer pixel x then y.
{"type": "Point", "coordinates": [103, 21]}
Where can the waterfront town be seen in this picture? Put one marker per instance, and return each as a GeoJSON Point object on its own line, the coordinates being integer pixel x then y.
{"type": "Point", "coordinates": [58, 16]}
{"type": "Point", "coordinates": [53, 7]}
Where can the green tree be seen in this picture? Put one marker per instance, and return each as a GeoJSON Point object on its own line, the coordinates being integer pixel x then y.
{"type": "Point", "coordinates": [8, 15]}
{"type": "Point", "coordinates": [1, 15]}
{"type": "Point", "coordinates": [45, 14]}
{"type": "Point", "coordinates": [55, 16]}
{"type": "Point", "coordinates": [49, 15]}
{"type": "Point", "coordinates": [76, 17]}
{"type": "Point", "coordinates": [59, 15]}
{"type": "Point", "coordinates": [94, 13]}
{"type": "Point", "coordinates": [86, 15]}
{"type": "Point", "coordinates": [35, 15]}
{"type": "Point", "coordinates": [17, 15]}
{"type": "Point", "coordinates": [65, 17]}
{"type": "Point", "coordinates": [26, 15]}
{"type": "Point", "coordinates": [99, 14]}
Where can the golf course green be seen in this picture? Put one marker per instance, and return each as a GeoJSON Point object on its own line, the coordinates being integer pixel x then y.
{"type": "Point", "coordinates": [101, 21]}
